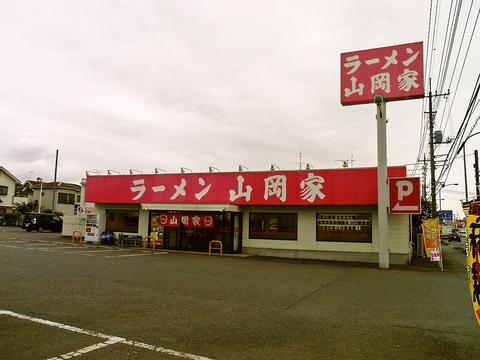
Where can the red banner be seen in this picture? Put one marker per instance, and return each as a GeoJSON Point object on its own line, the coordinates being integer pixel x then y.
{"type": "Point", "coordinates": [187, 220]}
{"type": "Point", "coordinates": [351, 186]}
{"type": "Point", "coordinates": [396, 72]}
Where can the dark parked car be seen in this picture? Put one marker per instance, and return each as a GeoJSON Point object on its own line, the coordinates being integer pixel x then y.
{"type": "Point", "coordinates": [454, 235]}
{"type": "Point", "coordinates": [40, 222]}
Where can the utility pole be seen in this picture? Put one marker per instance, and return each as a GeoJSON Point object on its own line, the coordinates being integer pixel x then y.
{"type": "Point", "coordinates": [424, 173]}
{"type": "Point", "coordinates": [477, 180]}
{"type": "Point", "coordinates": [55, 182]}
{"type": "Point", "coordinates": [432, 155]}
{"type": "Point", "coordinates": [431, 143]}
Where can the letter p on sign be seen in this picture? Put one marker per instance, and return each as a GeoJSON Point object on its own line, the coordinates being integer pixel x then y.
{"type": "Point", "coordinates": [404, 195]}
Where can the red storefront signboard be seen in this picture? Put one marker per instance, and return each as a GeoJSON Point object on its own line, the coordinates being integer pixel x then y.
{"type": "Point", "coordinates": [396, 72]}
{"type": "Point", "coordinates": [404, 195]}
{"type": "Point", "coordinates": [353, 186]}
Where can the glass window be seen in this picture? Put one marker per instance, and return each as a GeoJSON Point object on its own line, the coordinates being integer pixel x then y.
{"type": "Point", "coordinates": [345, 227]}
{"type": "Point", "coordinates": [3, 190]}
{"type": "Point", "coordinates": [276, 226]}
{"type": "Point", "coordinates": [66, 198]}
{"type": "Point", "coordinates": [122, 221]}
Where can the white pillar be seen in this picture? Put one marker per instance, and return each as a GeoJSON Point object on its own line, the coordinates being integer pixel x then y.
{"type": "Point", "coordinates": [383, 253]}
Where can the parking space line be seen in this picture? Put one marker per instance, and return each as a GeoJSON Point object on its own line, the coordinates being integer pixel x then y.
{"type": "Point", "coordinates": [64, 247]}
{"type": "Point", "coordinates": [88, 349]}
{"type": "Point", "coordinates": [99, 251]}
{"type": "Point", "coordinates": [46, 244]}
{"type": "Point", "coordinates": [110, 340]}
{"type": "Point", "coordinates": [54, 249]}
{"type": "Point", "coordinates": [126, 255]}
{"type": "Point", "coordinates": [130, 255]}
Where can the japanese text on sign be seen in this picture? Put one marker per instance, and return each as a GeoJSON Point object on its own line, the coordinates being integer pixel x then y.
{"type": "Point", "coordinates": [473, 259]}
{"type": "Point", "coordinates": [292, 187]}
{"type": "Point", "coordinates": [396, 72]}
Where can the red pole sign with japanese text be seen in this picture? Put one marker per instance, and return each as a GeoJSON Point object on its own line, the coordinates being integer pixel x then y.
{"type": "Point", "coordinates": [404, 195]}
{"type": "Point", "coordinates": [396, 72]}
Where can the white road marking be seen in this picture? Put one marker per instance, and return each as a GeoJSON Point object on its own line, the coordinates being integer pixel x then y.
{"type": "Point", "coordinates": [52, 249]}
{"type": "Point", "coordinates": [128, 255]}
{"type": "Point", "coordinates": [110, 339]}
{"type": "Point", "coordinates": [87, 349]}
{"type": "Point", "coordinates": [47, 244]}
{"type": "Point", "coordinates": [10, 246]}
{"type": "Point", "coordinates": [64, 247]}
{"type": "Point", "coordinates": [99, 251]}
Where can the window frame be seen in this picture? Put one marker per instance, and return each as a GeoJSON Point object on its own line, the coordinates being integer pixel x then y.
{"type": "Point", "coordinates": [68, 196]}
{"type": "Point", "coordinates": [125, 228]}
{"type": "Point", "coordinates": [339, 223]}
{"type": "Point", "coordinates": [3, 193]}
{"type": "Point", "coordinates": [272, 217]}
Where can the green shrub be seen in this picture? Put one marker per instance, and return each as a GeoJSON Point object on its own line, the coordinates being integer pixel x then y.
{"type": "Point", "coordinates": [12, 219]}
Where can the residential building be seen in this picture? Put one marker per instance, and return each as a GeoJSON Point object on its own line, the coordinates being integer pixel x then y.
{"type": "Point", "coordinates": [8, 185]}
{"type": "Point", "coordinates": [67, 196]}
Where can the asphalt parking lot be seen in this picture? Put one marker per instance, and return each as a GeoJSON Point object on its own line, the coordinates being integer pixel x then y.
{"type": "Point", "coordinates": [60, 300]}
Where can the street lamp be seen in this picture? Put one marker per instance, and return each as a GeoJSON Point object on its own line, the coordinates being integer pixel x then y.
{"type": "Point", "coordinates": [40, 197]}
{"type": "Point", "coordinates": [440, 193]}
{"type": "Point", "coordinates": [462, 147]}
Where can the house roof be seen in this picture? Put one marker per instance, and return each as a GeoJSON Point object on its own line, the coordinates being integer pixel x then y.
{"type": "Point", "coordinates": [49, 185]}
{"type": "Point", "coordinates": [8, 173]}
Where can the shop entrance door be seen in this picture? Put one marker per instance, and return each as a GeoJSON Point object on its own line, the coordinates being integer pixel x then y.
{"type": "Point", "coordinates": [237, 232]}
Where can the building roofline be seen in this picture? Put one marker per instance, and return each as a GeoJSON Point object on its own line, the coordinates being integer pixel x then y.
{"type": "Point", "coordinates": [10, 175]}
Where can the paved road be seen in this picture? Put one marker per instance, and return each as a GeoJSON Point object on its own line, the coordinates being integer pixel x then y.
{"type": "Point", "coordinates": [59, 300]}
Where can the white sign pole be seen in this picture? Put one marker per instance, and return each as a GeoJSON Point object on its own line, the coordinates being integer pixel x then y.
{"type": "Point", "coordinates": [383, 254]}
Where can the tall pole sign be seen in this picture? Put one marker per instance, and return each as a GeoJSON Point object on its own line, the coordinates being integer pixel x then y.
{"type": "Point", "coordinates": [380, 75]}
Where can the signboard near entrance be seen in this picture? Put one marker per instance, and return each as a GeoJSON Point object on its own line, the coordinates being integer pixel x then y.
{"type": "Point", "coordinates": [187, 220]}
{"type": "Point", "coordinates": [396, 72]}
{"type": "Point", "coordinates": [404, 195]}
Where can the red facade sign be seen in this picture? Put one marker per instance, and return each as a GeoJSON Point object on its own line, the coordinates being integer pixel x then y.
{"type": "Point", "coordinates": [404, 195]}
{"type": "Point", "coordinates": [396, 72]}
{"type": "Point", "coordinates": [353, 186]}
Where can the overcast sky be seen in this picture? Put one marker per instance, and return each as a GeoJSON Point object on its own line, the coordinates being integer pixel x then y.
{"type": "Point", "coordinates": [168, 84]}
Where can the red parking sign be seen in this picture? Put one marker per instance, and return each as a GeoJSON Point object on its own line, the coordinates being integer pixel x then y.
{"type": "Point", "coordinates": [404, 195]}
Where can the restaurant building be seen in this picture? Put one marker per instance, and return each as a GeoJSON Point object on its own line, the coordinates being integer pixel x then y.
{"type": "Point", "coordinates": [328, 214]}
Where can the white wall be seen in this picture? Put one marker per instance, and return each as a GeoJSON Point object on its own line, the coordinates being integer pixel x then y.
{"type": "Point", "coordinates": [398, 236]}
{"type": "Point", "coordinates": [73, 223]}
{"type": "Point", "coordinates": [5, 180]}
{"type": "Point", "coordinates": [66, 209]}
{"type": "Point", "coordinates": [101, 209]}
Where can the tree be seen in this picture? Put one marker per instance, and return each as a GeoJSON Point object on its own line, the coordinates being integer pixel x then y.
{"type": "Point", "coordinates": [426, 209]}
{"type": "Point", "coordinates": [24, 208]}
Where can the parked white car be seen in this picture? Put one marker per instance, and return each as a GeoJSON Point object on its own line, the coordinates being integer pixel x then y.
{"type": "Point", "coordinates": [462, 232]}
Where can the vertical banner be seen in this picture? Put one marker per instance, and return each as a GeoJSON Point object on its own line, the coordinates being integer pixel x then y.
{"type": "Point", "coordinates": [473, 259]}
{"type": "Point", "coordinates": [431, 239]}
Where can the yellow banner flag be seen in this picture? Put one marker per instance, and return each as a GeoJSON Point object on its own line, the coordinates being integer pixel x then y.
{"type": "Point", "coordinates": [431, 235]}
{"type": "Point", "coordinates": [473, 258]}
